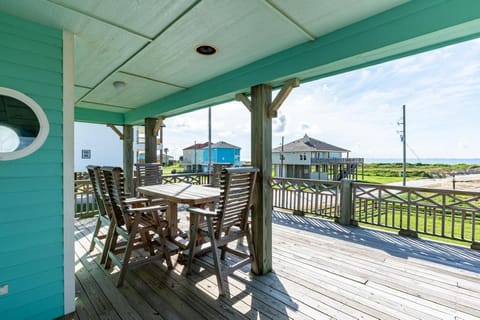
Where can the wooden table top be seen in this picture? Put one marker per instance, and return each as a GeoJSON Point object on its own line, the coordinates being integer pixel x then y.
{"type": "Point", "coordinates": [182, 193]}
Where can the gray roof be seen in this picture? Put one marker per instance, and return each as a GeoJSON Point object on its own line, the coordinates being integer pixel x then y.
{"type": "Point", "coordinates": [307, 144]}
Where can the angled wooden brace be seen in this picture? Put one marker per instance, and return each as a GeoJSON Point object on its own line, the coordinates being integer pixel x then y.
{"type": "Point", "coordinates": [158, 125]}
{"type": "Point", "coordinates": [282, 95]}
{"type": "Point", "coordinates": [244, 99]}
{"type": "Point", "coordinates": [115, 129]}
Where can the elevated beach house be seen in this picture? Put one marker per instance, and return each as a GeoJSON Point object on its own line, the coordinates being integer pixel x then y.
{"type": "Point", "coordinates": [196, 157]}
{"type": "Point", "coordinates": [309, 158]}
{"type": "Point", "coordinates": [192, 157]}
{"type": "Point", "coordinates": [128, 63]}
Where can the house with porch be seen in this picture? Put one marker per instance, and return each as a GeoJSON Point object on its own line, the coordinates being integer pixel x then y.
{"type": "Point", "coordinates": [223, 153]}
{"type": "Point", "coordinates": [192, 158]}
{"type": "Point", "coordinates": [309, 158]}
{"type": "Point", "coordinates": [196, 157]}
{"type": "Point", "coordinates": [128, 63]}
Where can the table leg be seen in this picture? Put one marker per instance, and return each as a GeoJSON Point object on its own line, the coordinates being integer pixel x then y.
{"type": "Point", "coordinates": [172, 218]}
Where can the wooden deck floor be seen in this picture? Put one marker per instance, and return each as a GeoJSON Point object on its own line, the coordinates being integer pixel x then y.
{"type": "Point", "coordinates": [321, 271]}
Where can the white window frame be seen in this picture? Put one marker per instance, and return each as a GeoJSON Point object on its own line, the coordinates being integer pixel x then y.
{"type": "Point", "coordinates": [41, 117]}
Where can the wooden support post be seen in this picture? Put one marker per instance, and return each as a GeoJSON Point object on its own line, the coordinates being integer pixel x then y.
{"type": "Point", "coordinates": [150, 140]}
{"type": "Point", "coordinates": [261, 124]}
{"type": "Point", "coordinates": [345, 202]}
{"type": "Point", "coordinates": [128, 157]}
{"type": "Point", "coordinates": [159, 127]}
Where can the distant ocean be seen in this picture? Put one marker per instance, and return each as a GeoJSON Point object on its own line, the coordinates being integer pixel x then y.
{"type": "Point", "coordinates": [425, 161]}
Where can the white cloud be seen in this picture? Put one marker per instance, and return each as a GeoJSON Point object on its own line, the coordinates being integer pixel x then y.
{"type": "Point", "coordinates": [359, 110]}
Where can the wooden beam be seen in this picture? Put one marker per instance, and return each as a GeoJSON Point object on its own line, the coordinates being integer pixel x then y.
{"type": "Point", "coordinates": [290, 20]}
{"type": "Point", "coordinates": [282, 95]}
{"type": "Point", "coordinates": [115, 129]}
{"type": "Point", "coordinates": [244, 99]}
{"type": "Point", "coordinates": [128, 157]}
{"type": "Point", "coordinates": [261, 124]}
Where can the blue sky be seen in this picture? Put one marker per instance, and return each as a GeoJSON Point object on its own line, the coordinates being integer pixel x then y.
{"type": "Point", "coordinates": [360, 110]}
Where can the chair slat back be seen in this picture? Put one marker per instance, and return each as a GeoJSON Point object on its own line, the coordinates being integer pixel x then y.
{"type": "Point", "coordinates": [148, 174]}
{"type": "Point", "coordinates": [96, 178]}
{"type": "Point", "coordinates": [237, 186]}
{"type": "Point", "coordinates": [115, 183]}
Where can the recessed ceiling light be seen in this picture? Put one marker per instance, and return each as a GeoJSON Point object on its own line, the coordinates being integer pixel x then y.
{"type": "Point", "coordinates": [206, 50]}
{"type": "Point", "coordinates": [119, 84]}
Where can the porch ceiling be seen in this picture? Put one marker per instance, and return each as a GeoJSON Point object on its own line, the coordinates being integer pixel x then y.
{"type": "Point", "coordinates": [150, 45]}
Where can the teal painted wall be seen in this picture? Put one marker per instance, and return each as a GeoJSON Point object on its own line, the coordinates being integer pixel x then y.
{"type": "Point", "coordinates": [31, 196]}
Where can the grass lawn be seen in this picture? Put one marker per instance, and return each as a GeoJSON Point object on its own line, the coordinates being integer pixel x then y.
{"type": "Point", "coordinates": [423, 219]}
{"type": "Point", "coordinates": [168, 169]}
{"type": "Point", "coordinates": [384, 179]}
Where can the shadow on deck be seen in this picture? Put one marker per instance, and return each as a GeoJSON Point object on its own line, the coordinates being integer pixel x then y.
{"type": "Point", "coordinates": [403, 247]}
{"type": "Point", "coordinates": [321, 271]}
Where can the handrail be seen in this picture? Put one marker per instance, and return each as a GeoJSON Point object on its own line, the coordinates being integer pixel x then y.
{"type": "Point", "coordinates": [192, 178]}
{"type": "Point", "coordinates": [316, 197]}
{"type": "Point", "coordinates": [453, 214]}
{"type": "Point", "coordinates": [85, 204]}
{"type": "Point", "coordinates": [337, 160]}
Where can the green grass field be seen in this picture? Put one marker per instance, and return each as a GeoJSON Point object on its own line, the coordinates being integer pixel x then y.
{"type": "Point", "coordinates": [168, 169]}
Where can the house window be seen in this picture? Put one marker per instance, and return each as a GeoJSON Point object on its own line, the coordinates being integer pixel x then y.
{"type": "Point", "coordinates": [23, 125]}
{"type": "Point", "coordinates": [86, 154]}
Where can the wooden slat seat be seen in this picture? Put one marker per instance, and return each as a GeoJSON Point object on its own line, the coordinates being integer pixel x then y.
{"type": "Point", "coordinates": [142, 226]}
{"type": "Point", "coordinates": [228, 223]}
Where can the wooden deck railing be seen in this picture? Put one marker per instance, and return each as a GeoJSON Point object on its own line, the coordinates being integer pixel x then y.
{"type": "Point", "coordinates": [445, 213]}
{"type": "Point", "coordinates": [337, 160]}
{"type": "Point", "coordinates": [449, 214]}
{"type": "Point", "coordinates": [192, 178]}
{"type": "Point", "coordinates": [307, 196]}
{"type": "Point", "coordinates": [85, 198]}
{"type": "Point", "coordinates": [85, 204]}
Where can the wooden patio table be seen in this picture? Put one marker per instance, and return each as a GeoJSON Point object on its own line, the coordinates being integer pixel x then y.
{"type": "Point", "coordinates": [175, 193]}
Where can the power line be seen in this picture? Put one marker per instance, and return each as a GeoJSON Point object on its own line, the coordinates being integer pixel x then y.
{"type": "Point", "coordinates": [414, 153]}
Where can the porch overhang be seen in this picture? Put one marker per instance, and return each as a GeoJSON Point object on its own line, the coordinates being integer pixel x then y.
{"type": "Point", "coordinates": [149, 47]}
{"type": "Point", "coordinates": [405, 30]}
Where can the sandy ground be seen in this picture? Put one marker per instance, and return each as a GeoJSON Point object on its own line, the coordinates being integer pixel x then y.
{"type": "Point", "coordinates": [470, 182]}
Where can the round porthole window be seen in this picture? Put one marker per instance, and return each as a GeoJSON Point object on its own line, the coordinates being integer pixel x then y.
{"type": "Point", "coordinates": [23, 125]}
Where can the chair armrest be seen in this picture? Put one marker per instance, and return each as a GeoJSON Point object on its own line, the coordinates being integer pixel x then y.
{"type": "Point", "coordinates": [135, 200]}
{"type": "Point", "coordinates": [147, 209]}
{"type": "Point", "coordinates": [202, 212]}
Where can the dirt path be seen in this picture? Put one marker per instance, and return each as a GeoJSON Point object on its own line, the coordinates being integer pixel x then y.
{"type": "Point", "coordinates": [470, 182]}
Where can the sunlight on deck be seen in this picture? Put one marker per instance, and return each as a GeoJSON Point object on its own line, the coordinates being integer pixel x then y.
{"type": "Point", "coordinates": [321, 270]}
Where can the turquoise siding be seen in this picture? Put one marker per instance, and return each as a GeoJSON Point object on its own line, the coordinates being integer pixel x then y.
{"type": "Point", "coordinates": [223, 155]}
{"type": "Point", "coordinates": [31, 195]}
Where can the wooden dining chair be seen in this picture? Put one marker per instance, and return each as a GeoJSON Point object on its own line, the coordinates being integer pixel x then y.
{"type": "Point", "coordinates": [104, 218]}
{"type": "Point", "coordinates": [228, 223]}
{"type": "Point", "coordinates": [148, 174]}
{"type": "Point", "coordinates": [142, 227]}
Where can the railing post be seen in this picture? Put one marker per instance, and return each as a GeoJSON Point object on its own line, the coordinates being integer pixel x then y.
{"type": "Point", "coordinates": [346, 199]}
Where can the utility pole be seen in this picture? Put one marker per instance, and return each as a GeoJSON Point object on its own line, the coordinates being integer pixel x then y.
{"type": "Point", "coordinates": [281, 161]}
{"type": "Point", "coordinates": [209, 141]}
{"type": "Point", "coordinates": [403, 138]}
{"type": "Point", "coordinates": [195, 155]}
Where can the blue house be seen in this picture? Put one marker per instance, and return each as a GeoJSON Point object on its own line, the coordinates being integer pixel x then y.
{"type": "Point", "coordinates": [131, 62]}
{"type": "Point", "coordinates": [222, 153]}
